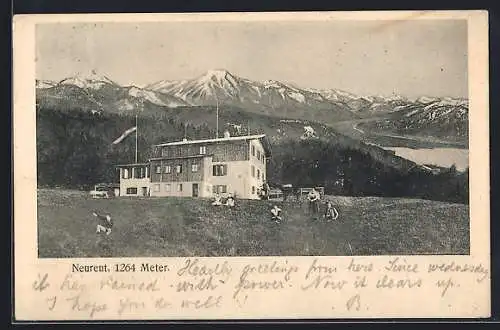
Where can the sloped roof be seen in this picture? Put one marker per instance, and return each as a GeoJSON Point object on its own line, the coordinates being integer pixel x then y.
{"type": "Point", "coordinates": [222, 139]}
{"type": "Point", "coordinates": [262, 137]}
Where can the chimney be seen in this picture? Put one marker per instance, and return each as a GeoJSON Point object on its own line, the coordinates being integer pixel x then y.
{"type": "Point", "coordinates": [226, 134]}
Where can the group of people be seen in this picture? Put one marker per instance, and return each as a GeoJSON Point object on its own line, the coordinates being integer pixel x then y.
{"type": "Point", "coordinates": [105, 223]}
{"type": "Point", "coordinates": [314, 201]}
{"type": "Point", "coordinates": [230, 202]}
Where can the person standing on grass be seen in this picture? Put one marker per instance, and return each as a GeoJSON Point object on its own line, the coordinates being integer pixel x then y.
{"type": "Point", "coordinates": [265, 191]}
{"type": "Point", "coordinates": [314, 198]}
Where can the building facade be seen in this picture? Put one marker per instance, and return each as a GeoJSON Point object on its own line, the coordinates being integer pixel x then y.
{"type": "Point", "coordinates": [202, 168]}
{"type": "Point", "coordinates": [134, 179]}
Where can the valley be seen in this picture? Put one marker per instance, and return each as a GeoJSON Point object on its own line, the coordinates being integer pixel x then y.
{"type": "Point", "coordinates": [357, 129]}
{"type": "Point", "coordinates": [423, 150]}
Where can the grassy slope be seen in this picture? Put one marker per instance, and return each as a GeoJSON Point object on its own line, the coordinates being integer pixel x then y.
{"type": "Point", "coordinates": [162, 227]}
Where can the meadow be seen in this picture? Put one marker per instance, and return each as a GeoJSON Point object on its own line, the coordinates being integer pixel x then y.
{"type": "Point", "coordinates": [183, 227]}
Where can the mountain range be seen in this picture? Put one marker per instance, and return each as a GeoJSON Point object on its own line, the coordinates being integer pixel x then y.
{"type": "Point", "coordinates": [444, 118]}
{"type": "Point", "coordinates": [75, 146]}
{"type": "Point", "coordinates": [96, 93]}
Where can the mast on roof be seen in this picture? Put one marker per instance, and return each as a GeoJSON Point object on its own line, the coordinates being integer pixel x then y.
{"type": "Point", "coordinates": [217, 119]}
{"type": "Point", "coordinates": [136, 133]}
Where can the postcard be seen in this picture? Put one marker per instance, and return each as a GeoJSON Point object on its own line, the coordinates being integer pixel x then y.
{"type": "Point", "coordinates": [209, 166]}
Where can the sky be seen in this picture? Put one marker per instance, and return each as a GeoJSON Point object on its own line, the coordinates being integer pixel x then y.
{"type": "Point", "coordinates": [410, 57]}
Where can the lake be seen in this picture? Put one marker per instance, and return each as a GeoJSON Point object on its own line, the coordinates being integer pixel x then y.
{"type": "Point", "coordinates": [437, 156]}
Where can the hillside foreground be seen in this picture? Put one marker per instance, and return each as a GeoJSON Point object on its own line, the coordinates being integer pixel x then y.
{"type": "Point", "coordinates": [182, 227]}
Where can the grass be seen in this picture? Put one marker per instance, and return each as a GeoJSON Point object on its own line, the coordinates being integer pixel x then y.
{"type": "Point", "coordinates": [173, 227]}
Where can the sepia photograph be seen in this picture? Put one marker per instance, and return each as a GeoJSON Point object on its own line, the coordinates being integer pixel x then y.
{"type": "Point", "coordinates": [252, 138]}
{"type": "Point", "coordinates": [332, 165]}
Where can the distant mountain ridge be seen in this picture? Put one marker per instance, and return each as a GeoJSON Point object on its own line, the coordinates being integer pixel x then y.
{"type": "Point", "coordinates": [444, 118]}
{"type": "Point", "coordinates": [96, 92]}
{"type": "Point", "coordinates": [221, 85]}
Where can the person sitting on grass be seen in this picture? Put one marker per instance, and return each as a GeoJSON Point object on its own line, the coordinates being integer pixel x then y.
{"type": "Point", "coordinates": [276, 214]}
{"type": "Point", "coordinates": [230, 201]}
{"type": "Point", "coordinates": [331, 212]}
{"type": "Point", "coordinates": [104, 223]}
{"type": "Point", "coordinates": [217, 201]}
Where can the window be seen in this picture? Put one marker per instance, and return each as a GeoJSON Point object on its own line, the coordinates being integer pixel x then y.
{"type": "Point", "coordinates": [258, 154]}
{"type": "Point", "coordinates": [131, 191]}
{"type": "Point", "coordinates": [158, 169]}
{"type": "Point", "coordinates": [167, 187]}
{"type": "Point", "coordinates": [253, 150]}
{"type": "Point", "coordinates": [203, 150]}
{"type": "Point", "coordinates": [156, 187]}
{"type": "Point", "coordinates": [194, 167]}
{"type": "Point", "coordinates": [140, 172]}
{"type": "Point", "coordinates": [258, 174]}
{"type": "Point", "coordinates": [253, 171]}
{"type": "Point", "coordinates": [219, 189]}
{"type": "Point", "coordinates": [263, 159]}
{"type": "Point", "coordinates": [219, 170]}
{"type": "Point", "coordinates": [125, 173]}
{"type": "Point", "coordinates": [253, 189]}
{"type": "Point", "coordinates": [168, 169]}
{"type": "Point", "coordinates": [179, 187]}
{"type": "Point", "coordinates": [178, 169]}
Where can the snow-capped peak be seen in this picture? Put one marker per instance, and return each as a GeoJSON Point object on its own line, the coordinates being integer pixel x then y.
{"type": "Point", "coordinates": [218, 76]}
{"type": "Point", "coordinates": [88, 80]}
{"type": "Point", "coordinates": [215, 82]}
{"type": "Point", "coordinates": [217, 73]}
{"type": "Point", "coordinates": [153, 97]}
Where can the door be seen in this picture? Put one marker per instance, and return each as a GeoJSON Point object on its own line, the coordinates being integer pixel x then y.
{"type": "Point", "coordinates": [144, 191]}
{"type": "Point", "coordinates": [195, 190]}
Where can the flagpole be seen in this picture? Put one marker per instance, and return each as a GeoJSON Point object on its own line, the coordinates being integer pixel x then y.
{"type": "Point", "coordinates": [217, 129]}
{"type": "Point", "coordinates": [136, 133]}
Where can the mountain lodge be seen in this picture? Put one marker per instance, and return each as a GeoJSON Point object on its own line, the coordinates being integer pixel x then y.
{"type": "Point", "coordinates": [200, 168]}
